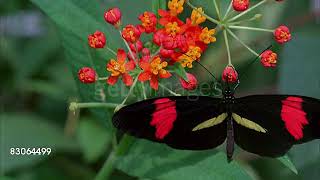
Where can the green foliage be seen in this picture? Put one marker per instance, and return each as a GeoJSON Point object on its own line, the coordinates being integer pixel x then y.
{"type": "Point", "coordinates": [93, 139]}
{"type": "Point", "coordinates": [156, 161]}
{"type": "Point", "coordinates": [28, 131]}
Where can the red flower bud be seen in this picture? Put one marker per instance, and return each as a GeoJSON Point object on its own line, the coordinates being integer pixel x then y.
{"type": "Point", "coordinates": [282, 34]}
{"type": "Point", "coordinates": [113, 16]}
{"type": "Point", "coordinates": [97, 40]}
{"type": "Point", "coordinates": [191, 84]}
{"type": "Point", "coordinates": [229, 75]}
{"type": "Point", "coordinates": [136, 46]}
{"type": "Point", "coordinates": [87, 75]}
{"type": "Point", "coordinates": [131, 33]}
{"type": "Point", "coordinates": [145, 52]}
{"type": "Point", "coordinates": [269, 58]}
{"type": "Point", "coordinates": [240, 5]}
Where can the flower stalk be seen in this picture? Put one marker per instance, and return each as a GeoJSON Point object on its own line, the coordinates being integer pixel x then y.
{"type": "Point", "coordinates": [243, 43]}
{"type": "Point", "coordinates": [247, 11]}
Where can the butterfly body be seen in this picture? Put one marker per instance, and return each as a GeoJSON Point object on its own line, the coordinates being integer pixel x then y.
{"type": "Point", "coordinates": [267, 125]}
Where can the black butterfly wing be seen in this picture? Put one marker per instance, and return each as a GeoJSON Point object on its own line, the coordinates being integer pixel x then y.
{"type": "Point", "coordinates": [170, 120]}
{"type": "Point", "coordinates": [287, 120]}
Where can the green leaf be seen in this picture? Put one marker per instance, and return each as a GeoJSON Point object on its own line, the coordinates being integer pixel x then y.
{"type": "Point", "coordinates": [158, 161]}
{"type": "Point", "coordinates": [287, 162]}
{"type": "Point", "coordinates": [93, 139]}
{"type": "Point", "coordinates": [179, 70]}
{"type": "Point", "coordinates": [29, 131]}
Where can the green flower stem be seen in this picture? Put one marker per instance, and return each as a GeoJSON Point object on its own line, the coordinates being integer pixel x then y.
{"type": "Point", "coordinates": [102, 78]}
{"type": "Point", "coordinates": [108, 167]}
{"type": "Point", "coordinates": [167, 89]}
{"type": "Point", "coordinates": [244, 44]}
{"type": "Point", "coordinates": [74, 106]}
{"type": "Point", "coordinates": [203, 14]}
{"type": "Point", "coordinates": [217, 9]}
{"type": "Point", "coordinates": [255, 17]}
{"type": "Point", "coordinates": [128, 47]}
{"type": "Point", "coordinates": [143, 91]}
{"type": "Point", "coordinates": [110, 50]}
{"type": "Point", "coordinates": [130, 91]}
{"type": "Point", "coordinates": [227, 46]}
{"type": "Point", "coordinates": [228, 11]}
{"type": "Point", "coordinates": [247, 11]}
{"type": "Point", "coordinates": [251, 28]}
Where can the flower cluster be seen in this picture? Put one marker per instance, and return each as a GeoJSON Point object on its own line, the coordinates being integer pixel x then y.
{"type": "Point", "coordinates": [173, 41]}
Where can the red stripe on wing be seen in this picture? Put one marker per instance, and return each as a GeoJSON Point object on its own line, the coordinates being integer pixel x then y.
{"type": "Point", "coordinates": [294, 116]}
{"type": "Point", "coordinates": [163, 117]}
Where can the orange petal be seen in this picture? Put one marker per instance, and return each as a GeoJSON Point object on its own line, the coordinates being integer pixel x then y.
{"type": "Point", "coordinates": [127, 79]}
{"type": "Point", "coordinates": [121, 56]}
{"type": "Point", "coordinates": [154, 83]}
{"type": "Point", "coordinates": [112, 80]}
{"type": "Point", "coordinates": [144, 76]}
{"type": "Point", "coordinates": [145, 66]}
{"type": "Point", "coordinates": [130, 65]}
{"type": "Point", "coordinates": [166, 75]}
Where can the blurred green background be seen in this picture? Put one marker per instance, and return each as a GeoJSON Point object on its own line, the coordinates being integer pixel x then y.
{"type": "Point", "coordinates": [43, 44]}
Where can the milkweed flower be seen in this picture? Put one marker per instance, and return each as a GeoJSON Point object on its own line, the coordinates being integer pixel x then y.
{"type": "Point", "coordinates": [87, 75]}
{"type": "Point", "coordinates": [191, 84]}
{"type": "Point", "coordinates": [97, 40]}
{"type": "Point", "coordinates": [282, 34]}
{"type": "Point", "coordinates": [113, 16]}
{"type": "Point", "coordinates": [148, 22]}
{"type": "Point", "coordinates": [175, 7]}
{"type": "Point", "coordinates": [268, 58]}
{"type": "Point", "coordinates": [230, 75]}
{"type": "Point", "coordinates": [240, 5]}
{"type": "Point", "coordinates": [153, 70]}
{"type": "Point", "coordinates": [131, 33]}
{"type": "Point", "coordinates": [120, 68]}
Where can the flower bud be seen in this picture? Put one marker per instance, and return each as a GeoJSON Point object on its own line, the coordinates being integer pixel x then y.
{"type": "Point", "coordinates": [230, 75]}
{"type": "Point", "coordinates": [282, 34]}
{"type": "Point", "coordinates": [269, 58]}
{"type": "Point", "coordinates": [113, 16]}
{"type": "Point", "coordinates": [87, 75]}
{"type": "Point", "coordinates": [97, 40]}
{"type": "Point", "coordinates": [131, 33]}
{"type": "Point", "coordinates": [191, 84]}
{"type": "Point", "coordinates": [240, 5]}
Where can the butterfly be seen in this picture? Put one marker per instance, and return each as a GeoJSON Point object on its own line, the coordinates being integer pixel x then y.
{"type": "Point", "coordinates": [267, 125]}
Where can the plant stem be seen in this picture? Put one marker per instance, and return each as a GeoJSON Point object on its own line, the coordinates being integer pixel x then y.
{"type": "Point", "coordinates": [73, 106]}
{"type": "Point", "coordinates": [251, 28]}
{"type": "Point", "coordinates": [228, 11]}
{"type": "Point", "coordinates": [203, 14]}
{"type": "Point", "coordinates": [244, 44]}
{"type": "Point", "coordinates": [227, 46]}
{"type": "Point", "coordinates": [102, 78]}
{"type": "Point", "coordinates": [217, 9]}
{"type": "Point", "coordinates": [130, 91]}
{"type": "Point", "coordinates": [112, 51]}
{"type": "Point", "coordinates": [247, 11]}
{"type": "Point", "coordinates": [143, 91]}
{"type": "Point", "coordinates": [108, 166]}
{"type": "Point", "coordinates": [167, 89]}
{"type": "Point", "coordinates": [129, 49]}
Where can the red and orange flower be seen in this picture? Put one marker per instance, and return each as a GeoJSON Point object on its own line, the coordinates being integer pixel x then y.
{"type": "Point", "coordinates": [153, 70]}
{"type": "Point", "coordinates": [120, 68]}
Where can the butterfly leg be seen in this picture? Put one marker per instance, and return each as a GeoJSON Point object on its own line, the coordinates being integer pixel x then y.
{"type": "Point", "coordinates": [230, 139]}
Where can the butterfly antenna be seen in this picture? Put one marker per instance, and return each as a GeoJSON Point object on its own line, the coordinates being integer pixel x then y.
{"type": "Point", "coordinates": [252, 62]}
{"type": "Point", "coordinates": [204, 68]}
{"type": "Point", "coordinates": [207, 70]}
